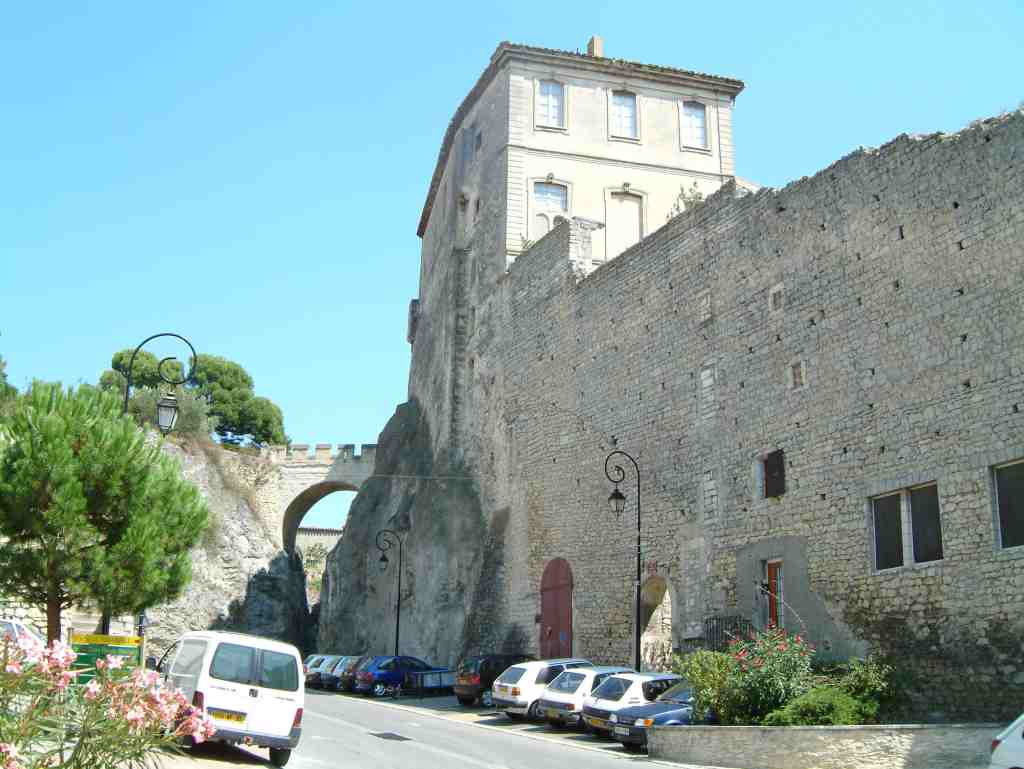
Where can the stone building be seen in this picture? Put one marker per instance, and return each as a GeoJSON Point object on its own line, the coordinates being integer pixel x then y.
{"type": "Point", "coordinates": [821, 386]}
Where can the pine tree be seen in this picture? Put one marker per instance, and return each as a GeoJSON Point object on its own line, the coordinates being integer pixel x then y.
{"type": "Point", "coordinates": [90, 509]}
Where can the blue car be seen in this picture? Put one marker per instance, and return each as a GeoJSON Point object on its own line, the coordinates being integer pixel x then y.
{"type": "Point", "coordinates": [673, 708]}
{"type": "Point", "coordinates": [379, 673]}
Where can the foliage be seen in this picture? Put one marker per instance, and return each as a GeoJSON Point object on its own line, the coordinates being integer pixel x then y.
{"type": "Point", "coordinates": [709, 674]}
{"type": "Point", "coordinates": [686, 200]}
{"type": "Point", "coordinates": [823, 706]}
{"type": "Point", "coordinates": [867, 680]}
{"type": "Point", "coordinates": [90, 509]}
{"type": "Point", "coordinates": [772, 668]}
{"type": "Point", "coordinates": [118, 719]}
{"type": "Point", "coordinates": [315, 556]}
{"type": "Point", "coordinates": [193, 412]}
{"type": "Point", "coordinates": [232, 408]}
{"type": "Point", "coordinates": [6, 390]}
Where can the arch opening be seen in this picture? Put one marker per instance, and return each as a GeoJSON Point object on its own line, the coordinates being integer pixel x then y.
{"type": "Point", "coordinates": [656, 621]}
{"type": "Point", "coordinates": [302, 504]}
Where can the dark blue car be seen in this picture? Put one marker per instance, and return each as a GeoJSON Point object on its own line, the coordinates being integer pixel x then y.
{"type": "Point", "coordinates": [376, 674]}
{"type": "Point", "coordinates": [673, 708]}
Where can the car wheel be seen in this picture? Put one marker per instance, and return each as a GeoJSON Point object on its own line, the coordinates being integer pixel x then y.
{"type": "Point", "coordinates": [379, 690]}
{"type": "Point", "coordinates": [533, 713]}
{"type": "Point", "coordinates": [466, 701]}
{"type": "Point", "coordinates": [280, 756]}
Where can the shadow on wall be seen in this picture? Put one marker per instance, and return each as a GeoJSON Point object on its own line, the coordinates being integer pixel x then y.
{"type": "Point", "coordinates": [274, 605]}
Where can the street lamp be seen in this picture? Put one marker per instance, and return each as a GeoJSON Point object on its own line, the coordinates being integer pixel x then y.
{"type": "Point", "coordinates": [167, 406]}
{"type": "Point", "coordinates": [387, 539]}
{"type": "Point", "coordinates": [617, 500]}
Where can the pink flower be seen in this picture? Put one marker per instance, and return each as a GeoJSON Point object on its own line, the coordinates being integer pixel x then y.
{"type": "Point", "coordinates": [101, 664]}
{"type": "Point", "coordinates": [114, 662]}
{"type": "Point", "coordinates": [65, 678]}
{"type": "Point", "coordinates": [135, 716]}
{"type": "Point", "coordinates": [13, 667]}
{"type": "Point", "coordinates": [783, 647]}
{"type": "Point", "coordinates": [92, 689]}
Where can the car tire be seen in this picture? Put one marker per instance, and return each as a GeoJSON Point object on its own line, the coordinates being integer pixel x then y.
{"type": "Point", "coordinates": [379, 690]}
{"type": "Point", "coordinates": [280, 756]}
{"type": "Point", "coordinates": [533, 712]}
{"type": "Point", "coordinates": [465, 701]}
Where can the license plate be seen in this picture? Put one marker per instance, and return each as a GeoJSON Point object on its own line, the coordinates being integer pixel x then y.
{"type": "Point", "coordinates": [596, 722]}
{"type": "Point", "coordinates": [624, 731]}
{"type": "Point", "coordinates": [226, 715]}
{"type": "Point", "coordinates": [501, 689]}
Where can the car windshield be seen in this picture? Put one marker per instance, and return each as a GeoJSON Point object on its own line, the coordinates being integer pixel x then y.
{"type": "Point", "coordinates": [567, 682]}
{"type": "Point", "coordinates": [512, 675]}
{"type": "Point", "coordinates": [613, 689]}
{"type": "Point", "coordinates": [367, 663]}
{"type": "Point", "coordinates": [681, 692]}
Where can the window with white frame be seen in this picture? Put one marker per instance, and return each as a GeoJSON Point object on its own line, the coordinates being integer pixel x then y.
{"type": "Point", "coordinates": [551, 104]}
{"type": "Point", "coordinates": [695, 125]}
{"type": "Point", "coordinates": [1009, 488]}
{"type": "Point", "coordinates": [625, 124]}
{"type": "Point", "coordinates": [708, 400]}
{"type": "Point", "coordinates": [550, 202]}
{"type": "Point", "coordinates": [907, 527]}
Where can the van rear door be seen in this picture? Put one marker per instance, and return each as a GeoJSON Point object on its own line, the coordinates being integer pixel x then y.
{"type": "Point", "coordinates": [231, 697]}
{"type": "Point", "coordinates": [279, 693]}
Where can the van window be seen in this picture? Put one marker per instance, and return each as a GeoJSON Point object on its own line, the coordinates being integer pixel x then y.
{"type": "Point", "coordinates": [278, 671]}
{"type": "Point", "coordinates": [189, 661]}
{"type": "Point", "coordinates": [232, 662]}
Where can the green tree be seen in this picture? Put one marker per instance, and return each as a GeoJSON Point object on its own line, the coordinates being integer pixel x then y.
{"type": "Point", "coordinates": [90, 508]}
{"type": "Point", "coordinates": [240, 414]}
{"type": "Point", "coordinates": [6, 390]}
{"type": "Point", "coordinates": [145, 371]}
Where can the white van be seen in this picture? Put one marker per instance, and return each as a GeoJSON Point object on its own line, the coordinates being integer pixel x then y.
{"type": "Point", "coordinates": [252, 687]}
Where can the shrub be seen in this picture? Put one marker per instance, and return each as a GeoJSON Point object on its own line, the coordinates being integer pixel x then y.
{"type": "Point", "coordinates": [866, 680]}
{"type": "Point", "coordinates": [772, 668]}
{"type": "Point", "coordinates": [822, 706]}
{"type": "Point", "coordinates": [120, 718]}
{"type": "Point", "coordinates": [709, 674]}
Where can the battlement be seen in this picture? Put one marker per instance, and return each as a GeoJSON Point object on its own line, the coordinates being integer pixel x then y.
{"type": "Point", "coordinates": [299, 453]}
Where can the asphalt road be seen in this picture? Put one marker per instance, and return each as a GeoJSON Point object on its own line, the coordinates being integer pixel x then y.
{"type": "Point", "coordinates": [433, 733]}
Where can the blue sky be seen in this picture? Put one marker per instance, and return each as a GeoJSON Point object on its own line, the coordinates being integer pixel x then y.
{"type": "Point", "coordinates": [251, 175]}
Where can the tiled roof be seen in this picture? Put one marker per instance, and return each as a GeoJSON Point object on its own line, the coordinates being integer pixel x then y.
{"type": "Point", "coordinates": [727, 84]}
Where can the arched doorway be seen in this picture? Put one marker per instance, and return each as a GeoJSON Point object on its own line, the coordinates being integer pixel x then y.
{"type": "Point", "coordinates": [556, 610]}
{"type": "Point", "coordinates": [302, 504]}
{"type": "Point", "coordinates": [656, 621]}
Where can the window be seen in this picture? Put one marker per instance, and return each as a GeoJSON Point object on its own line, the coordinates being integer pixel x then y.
{"type": "Point", "coordinates": [549, 201]}
{"type": "Point", "coordinates": [189, 660]}
{"type": "Point", "coordinates": [547, 675]}
{"type": "Point", "coordinates": [775, 298]}
{"type": "Point", "coordinates": [232, 662]}
{"type": "Point", "coordinates": [796, 375]}
{"type": "Point", "coordinates": [567, 682]}
{"type": "Point", "coordinates": [708, 401]}
{"type": "Point", "coordinates": [695, 130]}
{"type": "Point", "coordinates": [907, 527]}
{"type": "Point", "coordinates": [1009, 485]}
{"type": "Point", "coordinates": [278, 671]}
{"type": "Point", "coordinates": [511, 676]}
{"type": "Point", "coordinates": [774, 471]}
{"type": "Point", "coordinates": [613, 689]}
{"type": "Point", "coordinates": [551, 104]}
{"type": "Point", "coordinates": [598, 680]}
{"type": "Point", "coordinates": [624, 226]}
{"type": "Point", "coordinates": [654, 689]}
{"type": "Point", "coordinates": [710, 491]}
{"type": "Point", "coordinates": [478, 143]}
{"type": "Point", "coordinates": [624, 115]}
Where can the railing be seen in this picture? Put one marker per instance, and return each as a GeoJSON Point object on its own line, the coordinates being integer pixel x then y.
{"type": "Point", "coordinates": [433, 681]}
{"type": "Point", "coordinates": [719, 631]}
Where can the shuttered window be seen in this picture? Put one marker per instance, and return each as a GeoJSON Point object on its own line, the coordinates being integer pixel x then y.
{"type": "Point", "coordinates": [624, 120]}
{"type": "Point", "coordinates": [551, 104]}
{"type": "Point", "coordinates": [695, 128]}
{"type": "Point", "coordinates": [775, 474]}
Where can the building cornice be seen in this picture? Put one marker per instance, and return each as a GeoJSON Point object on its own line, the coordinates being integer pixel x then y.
{"type": "Point", "coordinates": [507, 52]}
{"type": "Point", "coordinates": [603, 160]}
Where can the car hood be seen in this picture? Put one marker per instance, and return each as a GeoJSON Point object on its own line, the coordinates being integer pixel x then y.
{"type": "Point", "coordinates": [654, 709]}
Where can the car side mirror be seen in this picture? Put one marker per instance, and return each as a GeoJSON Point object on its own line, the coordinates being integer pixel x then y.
{"type": "Point", "coordinates": [151, 663]}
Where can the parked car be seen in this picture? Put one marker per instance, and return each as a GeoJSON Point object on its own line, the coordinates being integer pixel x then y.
{"type": "Point", "coordinates": [623, 691]}
{"type": "Point", "coordinates": [12, 628]}
{"type": "Point", "coordinates": [317, 668]}
{"type": "Point", "coordinates": [347, 674]}
{"type": "Point", "coordinates": [517, 691]}
{"type": "Point", "coordinates": [329, 676]}
{"type": "Point", "coordinates": [674, 707]}
{"type": "Point", "coordinates": [476, 675]}
{"type": "Point", "coordinates": [305, 662]}
{"type": "Point", "coordinates": [1008, 747]}
{"type": "Point", "coordinates": [378, 674]}
{"type": "Point", "coordinates": [562, 701]}
{"type": "Point", "coordinates": [250, 687]}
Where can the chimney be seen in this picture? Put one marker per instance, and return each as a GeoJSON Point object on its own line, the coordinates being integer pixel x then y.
{"type": "Point", "coordinates": [595, 47]}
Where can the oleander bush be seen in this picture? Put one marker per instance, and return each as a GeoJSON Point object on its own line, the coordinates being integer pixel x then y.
{"type": "Point", "coordinates": [121, 718]}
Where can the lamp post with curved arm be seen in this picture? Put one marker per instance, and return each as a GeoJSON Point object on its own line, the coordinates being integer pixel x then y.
{"type": "Point", "coordinates": [166, 415]}
{"type": "Point", "coordinates": [617, 500]}
{"type": "Point", "coordinates": [387, 539]}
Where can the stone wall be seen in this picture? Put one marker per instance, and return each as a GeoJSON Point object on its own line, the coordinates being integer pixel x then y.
{"type": "Point", "coordinates": [913, 746]}
{"type": "Point", "coordinates": [901, 280]}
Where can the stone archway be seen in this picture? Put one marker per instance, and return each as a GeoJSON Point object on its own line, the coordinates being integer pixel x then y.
{"type": "Point", "coordinates": [656, 621]}
{"type": "Point", "coordinates": [301, 505]}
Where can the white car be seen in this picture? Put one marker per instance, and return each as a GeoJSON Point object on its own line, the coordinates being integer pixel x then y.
{"type": "Point", "coordinates": [12, 628]}
{"type": "Point", "coordinates": [518, 690]}
{"type": "Point", "coordinates": [562, 702]}
{"type": "Point", "coordinates": [251, 687]}
{"type": "Point", "coordinates": [621, 691]}
{"type": "Point", "coordinates": [1008, 747]}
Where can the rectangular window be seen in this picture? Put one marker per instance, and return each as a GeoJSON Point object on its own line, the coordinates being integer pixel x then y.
{"type": "Point", "coordinates": [925, 524]}
{"type": "Point", "coordinates": [888, 532]}
{"type": "Point", "coordinates": [1009, 483]}
{"type": "Point", "coordinates": [695, 133]}
{"type": "Point", "coordinates": [278, 671]}
{"type": "Point", "coordinates": [775, 474]}
{"type": "Point", "coordinates": [549, 202]}
{"type": "Point", "coordinates": [624, 121]}
{"type": "Point", "coordinates": [708, 404]}
{"type": "Point", "coordinates": [551, 104]}
{"type": "Point", "coordinates": [710, 491]}
{"type": "Point", "coordinates": [796, 375]}
{"type": "Point", "coordinates": [232, 662]}
{"type": "Point", "coordinates": [775, 298]}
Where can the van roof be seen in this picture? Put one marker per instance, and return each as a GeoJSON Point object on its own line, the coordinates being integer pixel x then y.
{"type": "Point", "coordinates": [242, 638]}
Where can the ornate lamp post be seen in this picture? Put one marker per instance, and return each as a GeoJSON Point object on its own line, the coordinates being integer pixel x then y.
{"type": "Point", "coordinates": [167, 406]}
{"type": "Point", "coordinates": [617, 500]}
{"type": "Point", "coordinates": [387, 539]}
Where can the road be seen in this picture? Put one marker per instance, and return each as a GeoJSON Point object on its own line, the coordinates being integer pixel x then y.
{"type": "Point", "coordinates": [433, 733]}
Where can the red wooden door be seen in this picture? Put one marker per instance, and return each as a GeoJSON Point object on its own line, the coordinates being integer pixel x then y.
{"type": "Point", "coordinates": [774, 592]}
{"type": "Point", "coordinates": [556, 610]}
